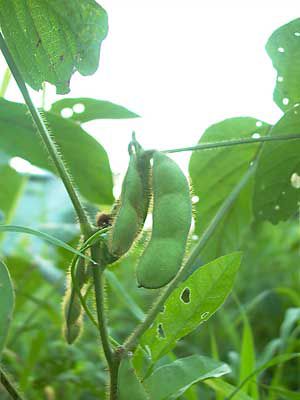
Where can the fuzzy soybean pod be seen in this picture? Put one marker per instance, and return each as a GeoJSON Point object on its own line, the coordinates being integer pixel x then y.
{"type": "Point", "coordinates": [172, 216]}
{"type": "Point", "coordinates": [72, 308]}
{"type": "Point", "coordinates": [133, 206]}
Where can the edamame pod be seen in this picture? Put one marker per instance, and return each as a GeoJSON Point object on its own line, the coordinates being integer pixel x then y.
{"type": "Point", "coordinates": [172, 215]}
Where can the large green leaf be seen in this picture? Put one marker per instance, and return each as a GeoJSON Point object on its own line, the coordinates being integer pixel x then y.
{"type": "Point", "coordinates": [215, 173]}
{"type": "Point", "coordinates": [85, 157]}
{"type": "Point", "coordinates": [191, 304]}
{"type": "Point", "coordinates": [7, 300]}
{"type": "Point", "coordinates": [172, 380]}
{"type": "Point", "coordinates": [84, 109]}
{"type": "Point", "coordinates": [129, 385]}
{"type": "Point", "coordinates": [284, 49]}
{"type": "Point", "coordinates": [277, 179]}
{"type": "Point", "coordinates": [51, 39]}
{"type": "Point", "coordinates": [11, 184]}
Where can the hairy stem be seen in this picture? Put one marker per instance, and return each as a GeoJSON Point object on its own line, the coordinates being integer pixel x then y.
{"type": "Point", "coordinates": [132, 341]}
{"type": "Point", "coordinates": [235, 142]}
{"type": "Point", "coordinates": [9, 386]}
{"type": "Point", "coordinates": [47, 140]}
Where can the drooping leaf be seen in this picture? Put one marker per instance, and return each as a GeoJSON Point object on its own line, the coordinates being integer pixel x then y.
{"type": "Point", "coordinates": [277, 179]}
{"type": "Point", "coordinates": [85, 157]}
{"type": "Point", "coordinates": [51, 39]}
{"type": "Point", "coordinates": [172, 380]}
{"type": "Point", "coordinates": [85, 109]}
{"type": "Point", "coordinates": [7, 300]}
{"type": "Point", "coordinates": [191, 304]}
{"type": "Point", "coordinates": [51, 239]}
{"type": "Point", "coordinates": [215, 173]}
{"type": "Point", "coordinates": [284, 49]}
{"type": "Point", "coordinates": [129, 386]}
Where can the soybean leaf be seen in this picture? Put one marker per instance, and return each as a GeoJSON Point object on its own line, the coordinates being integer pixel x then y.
{"type": "Point", "coordinates": [51, 39]}
{"type": "Point", "coordinates": [84, 156]}
{"type": "Point", "coordinates": [277, 179]}
{"type": "Point", "coordinates": [11, 185]}
{"type": "Point", "coordinates": [129, 385]}
{"type": "Point", "coordinates": [247, 359]}
{"type": "Point", "coordinates": [215, 173]}
{"type": "Point", "coordinates": [7, 300]}
{"type": "Point", "coordinates": [284, 49]}
{"type": "Point", "coordinates": [224, 388]}
{"type": "Point", "coordinates": [85, 109]}
{"type": "Point", "coordinates": [172, 380]}
{"type": "Point", "coordinates": [51, 239]}
{"type": "Point", "coordinates": [191, 304]}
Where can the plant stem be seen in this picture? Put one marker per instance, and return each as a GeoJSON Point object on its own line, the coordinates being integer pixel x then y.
{"type": "Point", "coordinates": [131, 342]}
{"type": "Point", "coordinates": [235, 142]}
{"type": "Point", "coordinates": [9, 386]}
{"type": "Point", "coordinates": [5, 82]}
{"type": "Point", "coordinates": [48, 141]}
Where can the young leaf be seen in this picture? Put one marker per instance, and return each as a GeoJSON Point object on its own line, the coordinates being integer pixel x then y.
{"type": "Point", "coordinates": [7, 300]}
{"type": "Point", "coordinates": [191, 304]}
{"type": "Point", "coordinates": [215, 173]}
{"type": "Point", "coordinates": [172, 380]}
{"type": "Point", "coordinates": [284, 49]}
{"type": "Point", "coordinates": [84, 156]}
{"type": "Point", "coordinates": [129, 385]}
{"type": "Point", "coordinates": [52, 39]}
{"type": "Point", "coordinates": [277, 179]}
{"type": "Point", "coordinates": [44, 236]}
{"type": "Point", "coordinates": [85, 109]}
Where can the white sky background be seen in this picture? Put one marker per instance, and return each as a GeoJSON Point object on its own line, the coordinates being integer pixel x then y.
{"type": "Point", "coordinates": [181, 65]}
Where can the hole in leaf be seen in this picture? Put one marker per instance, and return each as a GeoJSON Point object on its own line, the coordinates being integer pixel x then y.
{"type": "Point", "coordinates": [66, 112]}
{"type": "Point", "coordinates": [186, 296]}
{"type": "Point", "coordinates": [78, 108]}
{"type": "Point", "coordinates": [205, 315]}
{"type": "Point", "coordinates": [195, 199]}
{"type": "Point", "coordinates": [277, 207]}
{"type": "Point", "coordinates": [280, 79]}
{"type": "Point", "coordinates": [258, 124]}
{"type": "Point", "coordinates": [163, 309]}
{"type": "Point", "coordinates": [285, 101]}
{"type": "Point", "coordinates": [160, 331]}
{"type": "Point", "coordinates": [295, 180]}
{"type": "Point", "coordinates": [255, 135]}
{"type": "Point", "coordinates": [297, 34]}
{"type": "Point", "coordinates": [195, 237]}
{"type": "Point", "coordinates": [281, 49]}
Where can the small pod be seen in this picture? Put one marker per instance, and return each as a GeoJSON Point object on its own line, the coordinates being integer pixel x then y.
{"type": "Point", "coordinates": [172, 216]}
{"type": "Point", "coordinates": [132, 206]}
{"type": "Point", "coordinates": [72, 307]}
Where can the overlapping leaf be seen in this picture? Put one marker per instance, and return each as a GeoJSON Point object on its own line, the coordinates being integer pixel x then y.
{"type": "Point", "coordinates": [191, 304]}
{"type": "Point", "coordinates": [6, 303]}
{"type": "Point", "coordinates": [85, 157]}
{"type": "Point", "coordinates": [51, 39]}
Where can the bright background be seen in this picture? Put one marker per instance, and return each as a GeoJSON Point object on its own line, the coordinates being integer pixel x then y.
{"type": "Point", "coordinates": [181, 65]}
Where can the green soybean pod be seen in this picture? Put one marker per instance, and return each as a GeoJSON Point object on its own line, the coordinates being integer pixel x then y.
{"type": "Point", "coordinates": [129, 385]}
{"type": "Point", "coordinates": [72, 307]}
{"type": "Point", "coordinates": [133, 205]}
{"type": "Point", "coordinates": [172, 216]}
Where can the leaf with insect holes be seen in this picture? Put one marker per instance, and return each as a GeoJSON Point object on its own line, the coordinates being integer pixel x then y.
{"type": "Point", "coordinates": [284, 49]}
{"type": "Point", "coordinates": [191, 304]}
{"type": "Point", "coordinates": [86, 159]}
{"type": "Point", "coordinates": [84, 109]}
{"type": "Point", "coordinates": [215, 173]}
{"type": "Point", "coordinates": [170, 381]}
{"type": "Point", "coordinates": [51, 39]}
{"type": "Point", "coordinates": [277, 179]}
{"type": "Point", "coordinates": [7, 300]}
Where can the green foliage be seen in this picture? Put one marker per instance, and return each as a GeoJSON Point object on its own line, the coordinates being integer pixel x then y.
{"type": "Point", "coordinates": [172, 214]}
{"type": "Point", "coordinates": [7, 300]}
{"type": "Point", "coordinates": [85, 109]}
{"type": "Point", "coordinates": [130, 387]}
{"type": "Point", "coordinates": [206, 290]}
{"type": "Point", "coordinates": [61, 37]}
{"type": "Point", "coordinates": [277, 183]}
{"type": "Point", "coordinates": [82, 153]}
{"type": "Point", "coordinates": [284, 49]}
{"type": "Point", "coordinates": [215, 173]}
{"type": "Point", "coordinates": [172, 380]}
